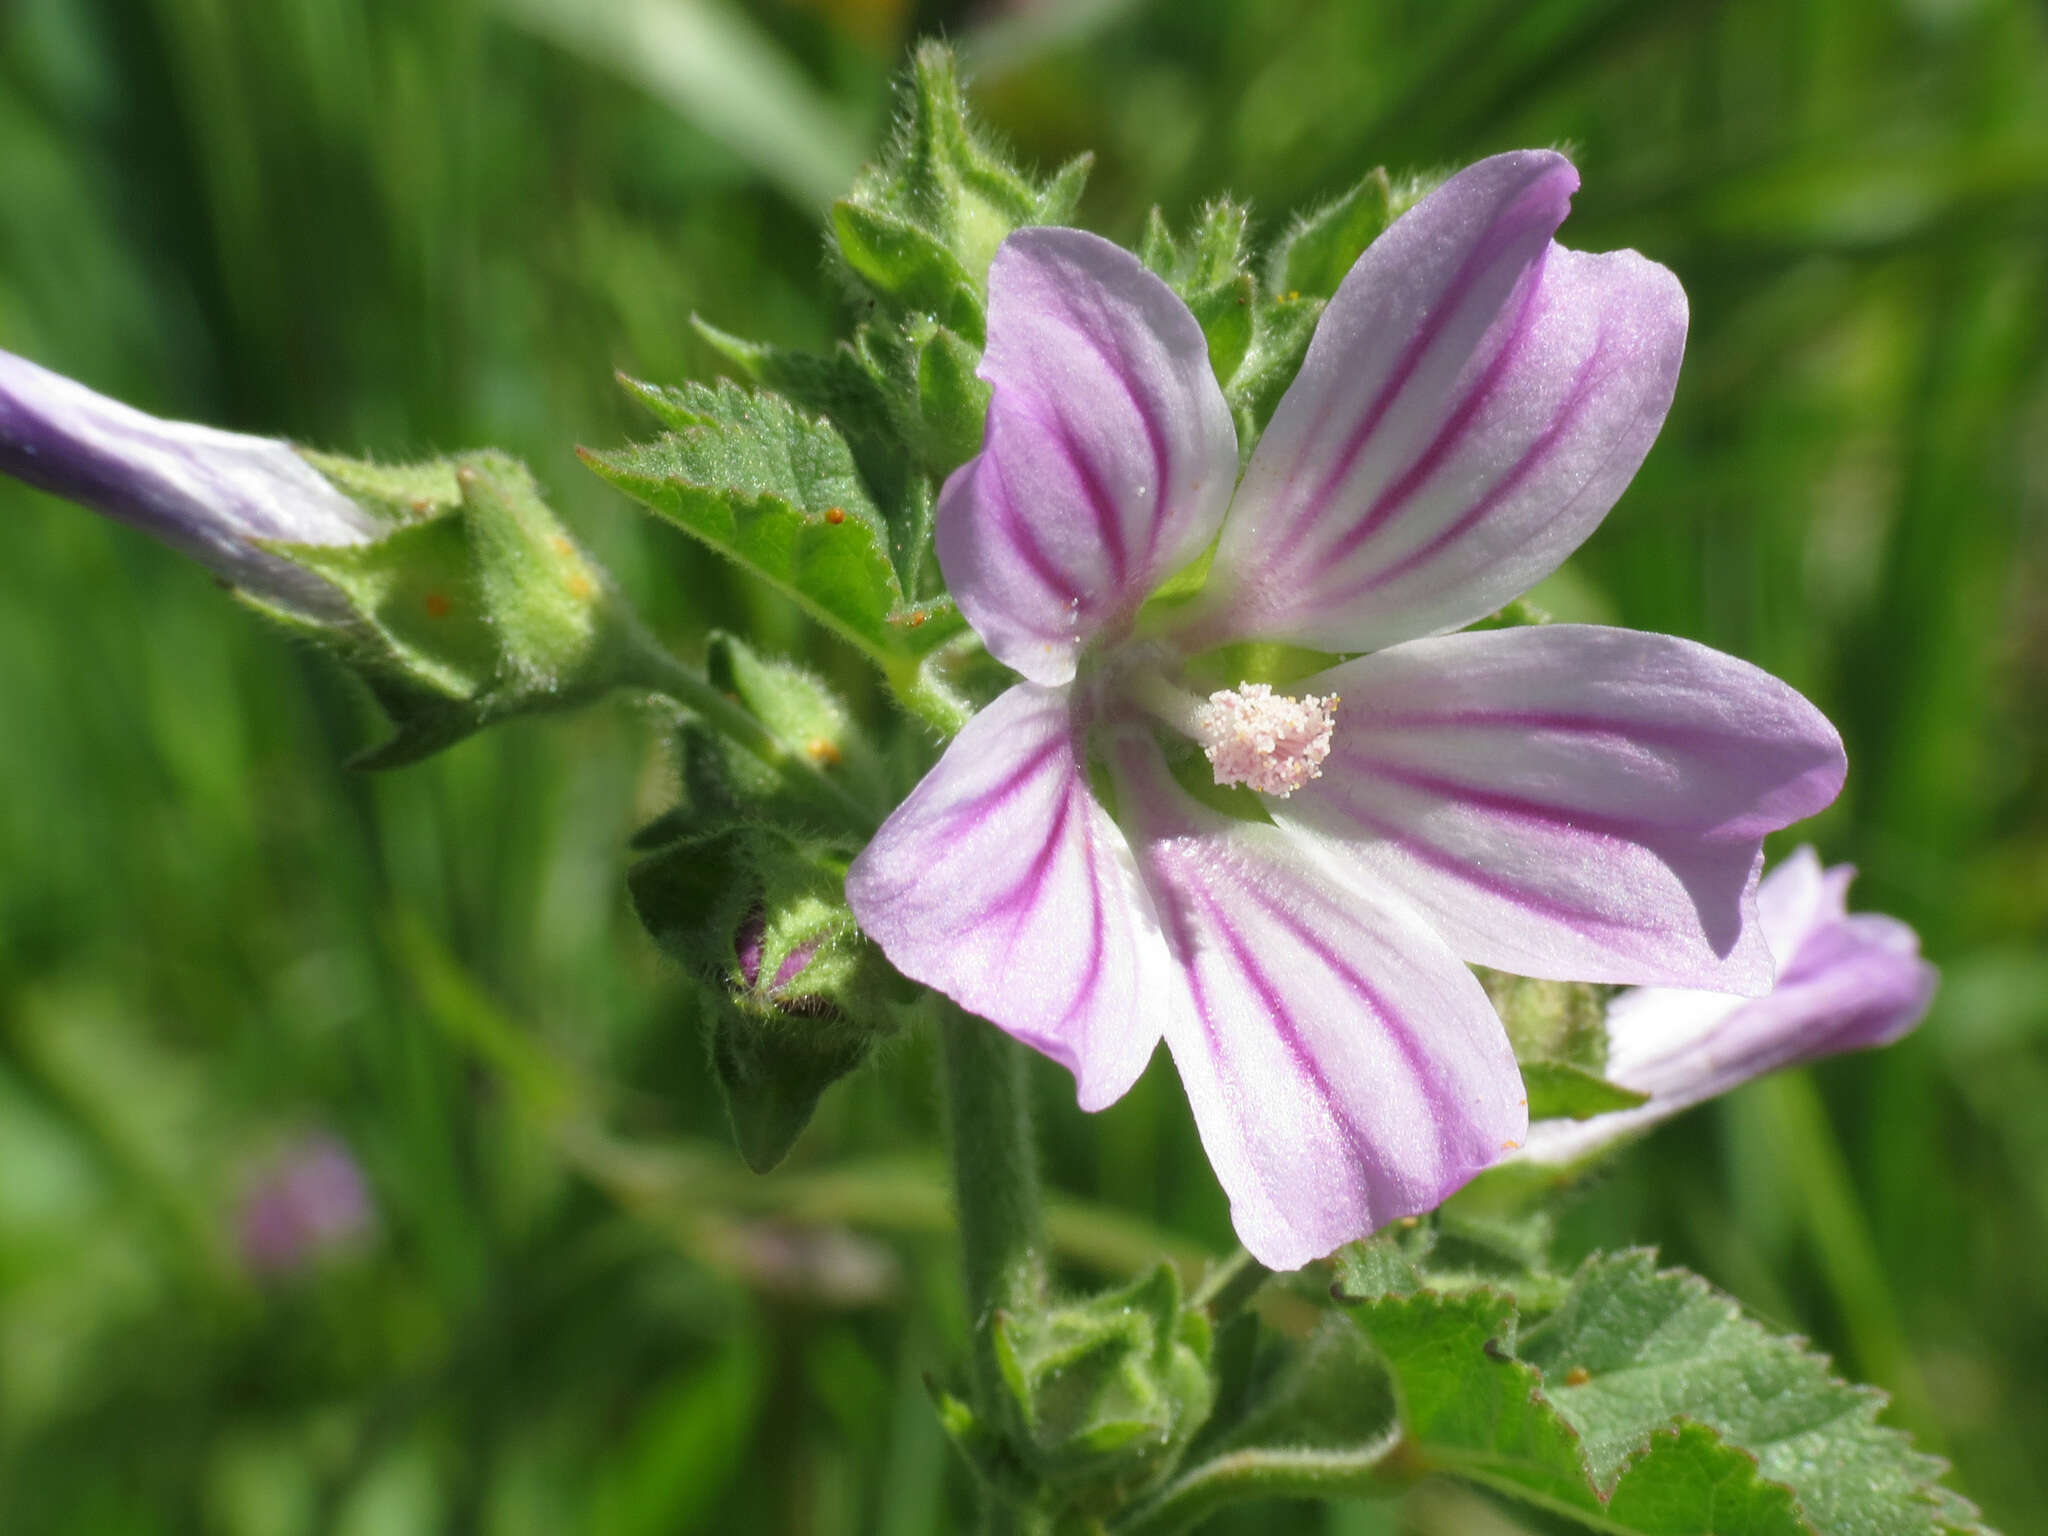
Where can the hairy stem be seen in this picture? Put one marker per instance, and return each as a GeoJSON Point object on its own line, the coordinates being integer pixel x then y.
{"type": "Point", "coordinates": [995, 1185]}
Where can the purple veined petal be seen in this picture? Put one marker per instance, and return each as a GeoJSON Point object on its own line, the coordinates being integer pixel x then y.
{"type": "Point", "coordinates": [1003, 883]}
{"type": "Point", "coordinates": [208, 494]}
{"type": "Point", "coordinates": [1108, 457]}
{"type": "Point", "coordinates": [1571, 801]}
{"type": "Point", "coordinates": [1344, 1069]}
{"type": "Point", "coordinates": [1845, 982]}
{"type": "Point", "coordinates": [1475, 399]}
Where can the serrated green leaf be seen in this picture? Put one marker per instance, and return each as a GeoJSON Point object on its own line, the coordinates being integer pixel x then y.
{"type": "Point", "coordinates": [1467, 1405]}
{"type": "Point", "coordinates": [778, 492]}
{"type": "Point", "coordinates": [1560, 1091]}
{"type": "Point", "coordinates": [861, 387]}
{"type": "Point", "coordinates": [1631, 1347]}
{"type": "Point", "coordinates": [1690, 1482]}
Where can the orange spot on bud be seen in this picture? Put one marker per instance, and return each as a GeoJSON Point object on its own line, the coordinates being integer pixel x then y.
{"type": "Point", "coordinates": [917, 618]}
{"type": "Point", "coordinates": [1577, 1376]}
{"type": "Point", "coordinates": [579, 586]}
{"type": "Point", "coordinates": [823, 752]}
{"type": "Point", "coordinates": [1511, 1146]}
{"type": "Point", "coordinates": [421, 505]}
{"type": "Point", "coordinates": [835, 515]}
{"type": "Point", "coordinates": [561, 546]}
{"type": "Point", "coordinates": [438, 606]}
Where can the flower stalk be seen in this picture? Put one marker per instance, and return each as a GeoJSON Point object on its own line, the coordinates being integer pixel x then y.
{"type": "Point", "coordinates": [995, 1187]}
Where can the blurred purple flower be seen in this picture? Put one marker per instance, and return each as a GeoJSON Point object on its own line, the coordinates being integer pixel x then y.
{"type": "Point", "coordinates": [210, 494]}
{"type": "Point", "coordinates": [311, 1202]}
{"type": "Point", "coordinates": [1567, 801]}
{"type": "Point", "coordinates": [1846, 982]}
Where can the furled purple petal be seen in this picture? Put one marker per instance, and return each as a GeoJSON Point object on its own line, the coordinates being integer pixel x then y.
{"type": "Point", "coordinates": [207, 493]}
{"type": "Point", "coordinates": [1005, 885]}
{"type": "Point", "coordinates": [1571, 801]}
{"type": "Point", "coordinates": [1845, 982]}
{"type": "Point", "coordinates": [1475, 399]}
{"type": "Point", "coordinates": [1108, 459]}
{"type": "Point", "coordinates": [1345, 1070]}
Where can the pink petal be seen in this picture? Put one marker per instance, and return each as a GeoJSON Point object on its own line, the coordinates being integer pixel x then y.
{"type": "Point", "coordinates": [1475, 399]}
{"type": "Point", "coordinates": [1004, 884]}
{"type": "Point", "coordinates": [1345, 1070]}
{"type": "Point", "coordinates": [1108, 458]}
{"type": "Point", "coordinates": [1571, 801]}
{"type": "Point", "coordinates": [1845, 982]}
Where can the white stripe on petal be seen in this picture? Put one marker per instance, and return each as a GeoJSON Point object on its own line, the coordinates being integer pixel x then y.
{"type": "Point", "coordinates": [1344, 1069]}
{"type": "Point", "coordinates": [1108, 458]}
{"type": "Point", "coordinates": [1475, 399]}
{"type": "Point", "coordinates": [1005, 885]}
{"type": "Point", "coordinates": [1570, 801]}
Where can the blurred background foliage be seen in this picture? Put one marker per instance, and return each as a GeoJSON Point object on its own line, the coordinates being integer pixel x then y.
{"type": "Point", "coordinates": [405, 226]}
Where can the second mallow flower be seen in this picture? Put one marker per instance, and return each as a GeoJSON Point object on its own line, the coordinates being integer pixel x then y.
{"type": "Point", "coordinates": [1847, 981]}
{"type": "Point", "coordinates": [1286, 882]}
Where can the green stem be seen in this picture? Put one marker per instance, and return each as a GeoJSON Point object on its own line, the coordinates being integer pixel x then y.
{"type": "Point", "coordinates": [995, 1186]}
{"type": "Point", "coordinates": [1267, 1473]}
{"type": "Point", "coordinates": [1231, 1284]}
{"type": "Point", "coordinates": [652, 668]}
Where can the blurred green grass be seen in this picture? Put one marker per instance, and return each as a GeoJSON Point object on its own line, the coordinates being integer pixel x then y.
{"type": "Point", "coordinates": [404, 226]}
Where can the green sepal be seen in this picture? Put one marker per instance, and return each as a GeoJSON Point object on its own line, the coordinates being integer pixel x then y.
{"type": "Point", "coordinates": [1282, 327]}
{"type": "Point", "coordinates": [773, 1078]}
{"type": "Point", "coordinates": [941, 187]}
{"type": "Point", "coordinates": [800, 708]}
{"type": "Point", "coordinates": [1320, 247]}
{"type": "Point", "coordinates": [1560, 1091]}
{"type": "Point", "coordinates": [1210, 270]}
{"type": "Point", "coordinates": [952, 401]}
{"type": "Point", "coordinates": [1514, 615]}
{"type": "Point", "coordinates": [777, 491]}
{"type": "Point", "coordinates": [1101, 1395]}
{"type": "Point", "coordinates": [1560, 1021]}
{"type": "Point", "coordinates": [907, 265]}
{"type": "Point", "coordinates": [476, 606]}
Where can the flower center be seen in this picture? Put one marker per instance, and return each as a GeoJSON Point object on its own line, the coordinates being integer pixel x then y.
{"type": "Point", "coordinates": [1274, 743]}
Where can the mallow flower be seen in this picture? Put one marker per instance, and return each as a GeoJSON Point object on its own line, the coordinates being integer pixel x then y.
{"type": "Point", "coordinates": [313, 1201]}
{"type": "Point", "coordinates": [212, 495]}
{"type": "Point", "coordinates": [1286, 884]}
{"type": "Point", "coordinates": [1846, 982]}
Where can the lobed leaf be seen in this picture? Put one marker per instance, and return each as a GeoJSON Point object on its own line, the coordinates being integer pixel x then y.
{"type": "Point", "coordinates": [1631, 1348]}
{"type": "Point", "coordinates": [777, 491]}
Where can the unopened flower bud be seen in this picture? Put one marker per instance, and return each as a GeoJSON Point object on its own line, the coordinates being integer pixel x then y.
{"type": "Point", "coordinates": [449, 587]}
{"type": "Point", "coordinates": [220, 497]}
